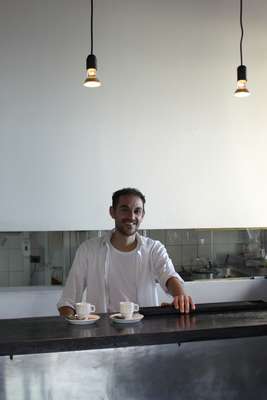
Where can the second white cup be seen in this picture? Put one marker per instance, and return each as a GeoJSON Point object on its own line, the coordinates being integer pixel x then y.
{"type": "Point", "coordinates": [127, 308]}
{"type": "Point", "coordinates": [84, 309]}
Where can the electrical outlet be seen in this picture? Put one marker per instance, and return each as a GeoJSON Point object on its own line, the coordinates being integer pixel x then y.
{"type": "Point", "coordinates": [26, 247]}
{"type": "Point", "coordinates": [35, 259]}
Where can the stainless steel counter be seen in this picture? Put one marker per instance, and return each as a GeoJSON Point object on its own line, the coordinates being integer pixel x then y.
{"type": "Point", "coordinates": [232, 369]}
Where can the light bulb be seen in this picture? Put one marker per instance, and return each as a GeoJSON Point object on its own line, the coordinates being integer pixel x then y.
{"type": "Point", "coordinates": [91, 80]}
{"type": "Point", "coordinates": [242, 90]}
{"type": "Point", "coordinates": [91, 66]}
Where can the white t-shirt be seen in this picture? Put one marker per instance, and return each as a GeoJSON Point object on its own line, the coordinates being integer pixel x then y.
{"type": "Point", "coordinates": [122, 283]}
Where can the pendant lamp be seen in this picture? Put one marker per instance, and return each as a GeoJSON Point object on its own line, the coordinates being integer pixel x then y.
{"type": "Point", "coordinates": [91, 61]}
{"type": "Point", "coordinates": [242, 90]}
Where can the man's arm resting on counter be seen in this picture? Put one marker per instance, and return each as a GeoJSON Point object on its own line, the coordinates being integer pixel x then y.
{"type": "Point", "coordinates": [66, 311]}
{"type": "Point", "coordinates": [181, 300]}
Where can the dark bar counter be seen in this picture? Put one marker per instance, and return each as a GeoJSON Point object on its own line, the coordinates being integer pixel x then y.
{"type": "Point", "coordinates": [221, 354]}
{"type": "Point", "coordinates": [55, 334]}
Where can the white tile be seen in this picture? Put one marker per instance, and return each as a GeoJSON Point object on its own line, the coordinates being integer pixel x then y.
{"type": "Point", "coordinates": [178, 268]}
{"type": "Point", "coordinates": [37, 240]}
{"type": "Point", "coordinates": [221, 251]}
{"type": "Point", "coordinates": [36, 252]}
{"type": "Point", "coordinates": [102, 233]}
{"type": "Point", "coordinates": [189, 236]}
{"type": "Point", "coordinates": [228, 236]}
{"type": "Point", "coordinates": [16, 260]}
{"type": "Point", "coordinates": [3, 241]}
{"type": "Point", "coordinates": [91, 234]}
{"type": "Point", "coordinates": [204, 252]}
{"type": "Point", "coordinates": [157, 234]}
{"type": "Point", "coordinates": [173, 236]}
{"type": "Point", "coordinates": [4, 278]}
{"type": "Point", "coordinates": [55, 240]}
{"type": "Point", "coordinates": [204, 236]}
{"type": "Point", "coordinates": [38, 278]}
{"type": "Point", "coordinates": [82, 236]}
{"type": "Point", "coordinates": [175, 254]}
{"type": "Point", "coordinates": [179, 249]}
{"type": "Point", "coordinates": [57, 258]}
{"type": "Point", "coordinates": [4, 260]}
{"type": "Point", "coordinates": [14, 242]}
{"type": "Point", "coordinates": [17, 279]}
{"type": "Point", "coordinates": [243, 235]}
{"type": "Point", "coordinates": [189, 253]}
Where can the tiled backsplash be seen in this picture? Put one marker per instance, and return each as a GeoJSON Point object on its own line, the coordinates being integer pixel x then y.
{"type": "Point", "coordinates": [185, 246]}
{"type": "Point", "coordinates": [44, 258]}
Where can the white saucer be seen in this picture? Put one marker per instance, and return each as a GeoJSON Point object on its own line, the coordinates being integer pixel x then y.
{"type": "Point", "coordinates": [91, 319]}
{"type": "Point", "coordinates": [136, 318]}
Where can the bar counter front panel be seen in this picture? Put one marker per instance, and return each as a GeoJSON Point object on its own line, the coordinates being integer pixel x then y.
{"type": "Point", "coordinates": [199, 356]}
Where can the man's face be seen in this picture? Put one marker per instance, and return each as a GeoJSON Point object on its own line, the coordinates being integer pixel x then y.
{"type": "Point", "coordinates": [128, 214]}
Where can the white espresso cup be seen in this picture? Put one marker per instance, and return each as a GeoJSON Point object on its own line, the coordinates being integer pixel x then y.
{"type": "Point", "coordinates": [84, 309]}
{"type": "Point", "coordinates": [127, 308]}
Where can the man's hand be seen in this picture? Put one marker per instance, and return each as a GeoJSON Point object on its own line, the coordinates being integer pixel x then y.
{"type": "Point", "coordinates": [181, 301]}
{"type": "Point", "coordinates": [66, 312]}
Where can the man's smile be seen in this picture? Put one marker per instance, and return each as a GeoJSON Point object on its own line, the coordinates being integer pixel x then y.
{"type": "Point", "coordinates": [130, 223]}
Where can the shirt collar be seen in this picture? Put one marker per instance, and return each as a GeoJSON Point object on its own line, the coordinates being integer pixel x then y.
{"type": "Point", "coordinates": [106, 239]}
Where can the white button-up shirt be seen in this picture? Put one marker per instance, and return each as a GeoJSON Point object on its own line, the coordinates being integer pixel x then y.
{"type": "Point", "coordinates": [91, 266]}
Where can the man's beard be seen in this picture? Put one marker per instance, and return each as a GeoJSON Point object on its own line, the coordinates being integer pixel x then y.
{"type": "Point", "coordinates": [126, 231]}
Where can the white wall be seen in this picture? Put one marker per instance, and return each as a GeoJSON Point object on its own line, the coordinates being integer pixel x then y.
{"type": "Point", "coordinates": [214, 291]}
{"type": "Point", "coordinates": [165, 119]}
{"type": "Point", "coordinates": [28, 301]}
{"type": "Point", "coordinates": [41, 301]}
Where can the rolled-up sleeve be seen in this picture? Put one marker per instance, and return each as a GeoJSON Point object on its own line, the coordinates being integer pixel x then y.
{"type": "Point", "coordinates": [162, 266]}
{"type": "Point", "coordinates": [76, 281]}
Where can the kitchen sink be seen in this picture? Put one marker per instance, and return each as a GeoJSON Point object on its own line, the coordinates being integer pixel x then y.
{"type": "Point", "coordinates": [213, 273]}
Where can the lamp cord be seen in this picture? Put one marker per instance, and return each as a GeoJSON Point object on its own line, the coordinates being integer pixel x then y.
{"type": "Point", "coordinates": [92, 35]}
{"type": "Point", "coordinates": [242, 31]}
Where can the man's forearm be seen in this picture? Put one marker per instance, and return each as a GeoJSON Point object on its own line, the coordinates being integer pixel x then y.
{"type": "Point", "coordinates": [175, 287]}
{"type": "Point", "coordinates": [66, 311]}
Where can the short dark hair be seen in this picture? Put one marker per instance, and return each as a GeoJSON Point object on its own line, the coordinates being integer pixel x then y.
{"type": "Point", "coordinates": [124, 192]}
